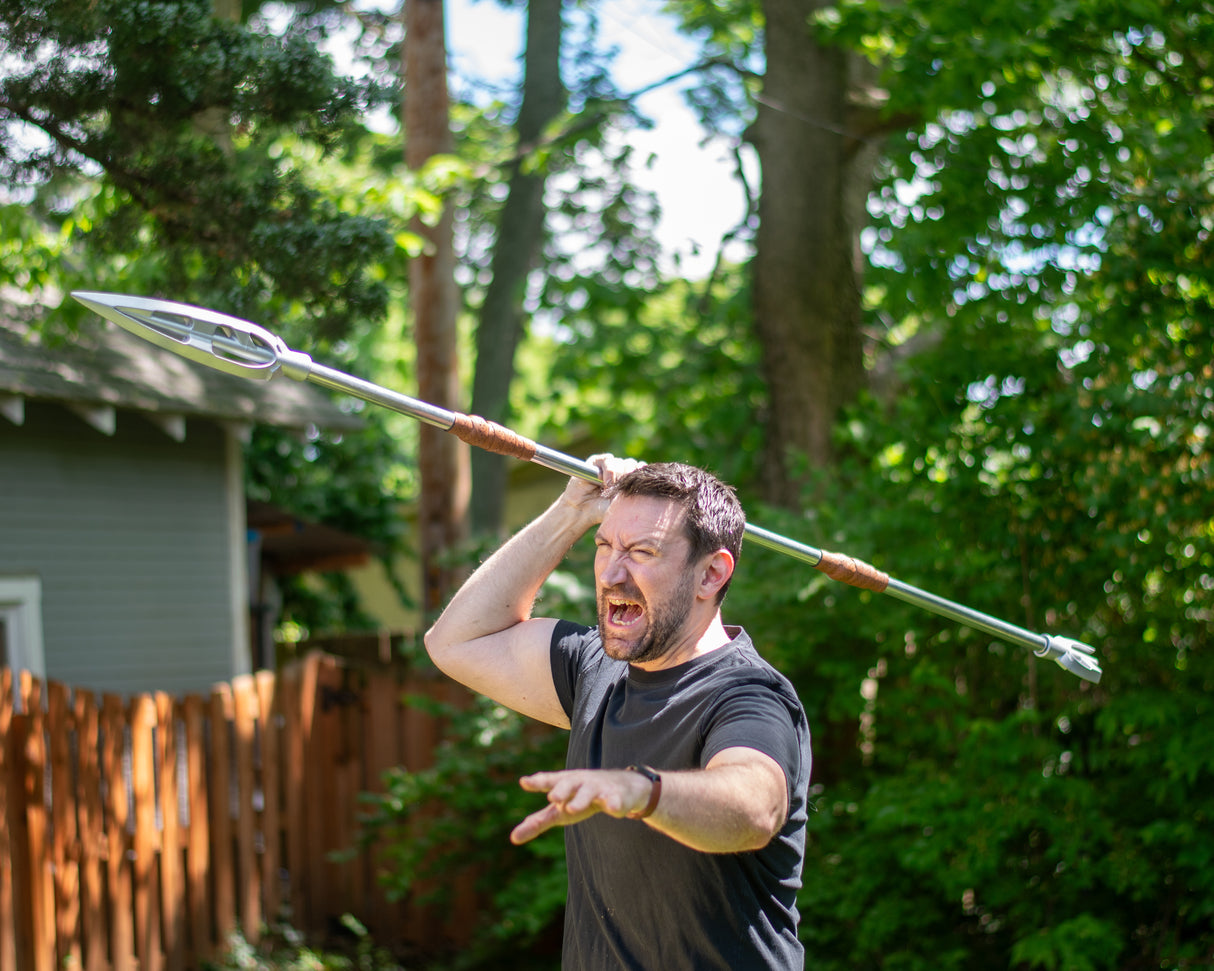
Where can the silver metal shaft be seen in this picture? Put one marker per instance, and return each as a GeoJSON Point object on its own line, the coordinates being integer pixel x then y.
{"type": "Point", "coordinates": [239, 347]}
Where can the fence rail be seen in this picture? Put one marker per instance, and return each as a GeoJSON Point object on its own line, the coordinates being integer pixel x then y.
{"type": "Point", "coordinates": [137, 834]}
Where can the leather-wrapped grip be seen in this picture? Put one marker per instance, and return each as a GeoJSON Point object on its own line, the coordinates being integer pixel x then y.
{"type": "Point", "coordinates": [846, 569]}
{"type": "Point", "coordinates": [492, 437]}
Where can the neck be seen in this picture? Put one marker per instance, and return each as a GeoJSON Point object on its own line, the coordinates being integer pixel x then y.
{"type": "Point", "coordinates": [699, 640]}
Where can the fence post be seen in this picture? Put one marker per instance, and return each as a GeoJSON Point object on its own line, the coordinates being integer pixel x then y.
{"type": "Point", "coordinates": [290, 694]}
{"type": "Point", "coordinates": [198, 839]}
{"type": "Point", "coordinates": [118, 867]}
{"type": "Point", "coordinates": [143, 788]}
{"type": "Point", "coordinates": [8, 947]}
{"type": "Point", "coordinates": [221, 813]}
{"type": "Point", "coordinates": [33, 892]}
{"type": "Point", "coordinates": [65, 837]}
{"type": "Point", "coordinates": [244, 708]}
{"type": "Point", "coordinates": [91, 827]}
{"type": "Point", "coordinates": [271, 787]}
{"type": "Point", "coordinates": [172, 880]}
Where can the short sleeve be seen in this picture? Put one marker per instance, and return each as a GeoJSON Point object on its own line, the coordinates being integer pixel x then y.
{"type": "Point", "coordinates": [754, 714]}
{"type": "Point", "coordinates": [569, 641]}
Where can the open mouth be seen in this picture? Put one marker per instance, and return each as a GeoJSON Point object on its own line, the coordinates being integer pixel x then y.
{"type": "Point", "coordinates": [623, 613]}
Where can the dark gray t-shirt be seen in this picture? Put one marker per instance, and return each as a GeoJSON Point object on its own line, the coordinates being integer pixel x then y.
{"type": "Point", "coordinates": [637, 898]}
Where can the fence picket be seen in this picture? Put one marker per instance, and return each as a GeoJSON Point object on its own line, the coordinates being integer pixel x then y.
{"type": "Point", "coordinates": [8, 946]}
{"type": "Point", "coordinates": [118, 865]}
{"type": "Point", "coordinates": [143, 792]}
{"type": "Point", "coordinates": [64, 835]}
{"type": "Point", "coordinates": [137, 834]}
{"type": "Point", "coordinates": [172, 875]}
{"type": "Point", "coordinates": [91, 827]}
{"type": "Point", "coordinates": [271, 787]}
{"type": "Point", "coordinates": [223, 881]}
{"type": "Point", "coordinates": [198, 833]}
{"type": "Point", "coordinates": [244, 708]}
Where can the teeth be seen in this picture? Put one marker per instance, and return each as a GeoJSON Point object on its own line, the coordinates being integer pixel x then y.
{"type": "Point", "coordinates": [620, 610]}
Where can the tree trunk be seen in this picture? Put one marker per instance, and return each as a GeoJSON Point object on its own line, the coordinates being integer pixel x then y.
{"type": "Point", "coordinates": [442, 458]}
{"type": "Point", "coordinates": [519, 235]}
{"type": "Point", "coordinates": [805, 289]}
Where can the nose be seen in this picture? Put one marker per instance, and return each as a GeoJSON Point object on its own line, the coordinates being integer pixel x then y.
{"type": "Point", "coordinates": [611, 568]}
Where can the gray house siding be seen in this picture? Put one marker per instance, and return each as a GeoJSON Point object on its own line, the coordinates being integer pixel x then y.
{"type": "Point", "coordinates": [131, 537]}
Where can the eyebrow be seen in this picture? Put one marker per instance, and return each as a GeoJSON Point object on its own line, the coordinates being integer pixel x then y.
{"type": "Point", "coordinates": [646, 539]}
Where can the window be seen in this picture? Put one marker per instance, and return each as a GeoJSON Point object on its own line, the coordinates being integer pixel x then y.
{"type": "Point", "coordinates": [21, 624]}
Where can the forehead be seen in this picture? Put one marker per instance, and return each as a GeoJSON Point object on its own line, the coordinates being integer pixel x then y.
{"type": "Point", "coordinates": [630, 519]}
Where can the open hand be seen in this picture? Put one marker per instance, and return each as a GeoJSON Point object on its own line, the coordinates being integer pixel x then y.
{"type": "Point", "coordinates": [577, 794]}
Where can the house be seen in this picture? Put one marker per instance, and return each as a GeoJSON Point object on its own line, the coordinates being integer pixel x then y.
{"type": "Point", "coordinates": [128, 559]}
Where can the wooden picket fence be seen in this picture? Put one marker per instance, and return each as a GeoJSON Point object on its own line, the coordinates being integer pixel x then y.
{"type": "Point", "coordinates": [138, 834]}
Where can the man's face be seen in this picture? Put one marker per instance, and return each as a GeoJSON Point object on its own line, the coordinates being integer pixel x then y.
{"type": "Point", "coordinates": [645, 586]}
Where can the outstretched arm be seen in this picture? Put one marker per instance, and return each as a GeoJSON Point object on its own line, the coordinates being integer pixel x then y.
{"type": "Point", "coordinates": [486, 638]}
{"type": "Point", "coordinates": [736, 803]}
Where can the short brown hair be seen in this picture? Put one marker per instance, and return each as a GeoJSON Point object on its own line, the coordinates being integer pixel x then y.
{"type": "Point", "coordinates": [714, 518]}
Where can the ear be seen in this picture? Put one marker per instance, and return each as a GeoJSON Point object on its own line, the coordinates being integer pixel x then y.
{"type": "Point", "coordinates": [714, 571]}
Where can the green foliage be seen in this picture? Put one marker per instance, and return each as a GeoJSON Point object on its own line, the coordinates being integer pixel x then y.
{"type": "Point", "coordinates": [178, 112]}
{"type": "Point", "coordinates": [1037, 444]}
{"type": "Point", "coordinates": [1037, 247]}
{"type": "Point", "coordinates": [282, 948]}
{"type": "Point", "coordinates": [455, 817]}
{"type": "Point", "coordinates": [452, 819]}
{"type": "Point", "coordinates": [681, 368]}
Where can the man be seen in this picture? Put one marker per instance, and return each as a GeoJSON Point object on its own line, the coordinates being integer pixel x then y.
{"type": "Point", "coordinates": [684, 792]}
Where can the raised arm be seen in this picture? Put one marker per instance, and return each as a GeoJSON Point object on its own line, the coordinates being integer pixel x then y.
{"type": "Point", "coordinates": [486, 638]}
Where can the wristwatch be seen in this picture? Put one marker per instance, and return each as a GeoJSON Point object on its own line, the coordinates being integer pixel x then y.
{"type": "Point", "coordinates": [654, 794]}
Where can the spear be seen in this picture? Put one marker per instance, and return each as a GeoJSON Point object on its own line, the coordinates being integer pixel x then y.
{"type": "Point", "coordinates": [248, 350]}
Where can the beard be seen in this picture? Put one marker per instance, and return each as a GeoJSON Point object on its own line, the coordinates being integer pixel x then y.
{"type": "Point", "coordinates": [664, 622]}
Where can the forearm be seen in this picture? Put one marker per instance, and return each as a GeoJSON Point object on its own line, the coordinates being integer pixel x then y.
{"type": "Point", "coordinates": [737, 803]}
{"type": "Point", "coordinates": [727, 809]}
{"type": "Point", "coordinates": [502, 591]}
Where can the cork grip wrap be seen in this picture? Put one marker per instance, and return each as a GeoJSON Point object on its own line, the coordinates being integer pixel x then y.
{"type": "Point", "coordinates": [845, 569]}
{"type": "Point", "coordinates": [492, 437]}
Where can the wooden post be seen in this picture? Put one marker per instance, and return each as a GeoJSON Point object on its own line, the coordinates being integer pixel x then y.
{"type": "Point", "coordinates": [291, 692]}
{"type": "Point", "coordinates": [8, 946]}
{"type": "Point", "coordinates": [244, 707]}
{"type": "Point", "coordinates": [381, 743]}
{"type": "Point", "coordinates": [118, 867]}
{"type": "Point", "coordinates": [198, 837]}
{"type": "Point", "coordinates": [271, 786]}
{"type": "Point", "coordinates": [172, 879]}
{"type": "Point", "coordinates": [91, 826]}
{"type": "Point", "coordinates": [221, 813]}
{"type": "Point", "coordinates": [143, 789]}
{"type": "Point", "coordinates": [65, 848]}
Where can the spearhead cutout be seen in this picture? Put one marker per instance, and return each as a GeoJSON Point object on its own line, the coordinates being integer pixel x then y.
{"type": "Point", "coordinates": [207, 337]}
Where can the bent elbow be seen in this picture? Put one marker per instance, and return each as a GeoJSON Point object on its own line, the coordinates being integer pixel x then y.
{"type": "Point", "coordinates": [435, 645]}
{"type": "Point", "coordinates": [760, 835]}
{"type": "Point", "coordinates": [765, 825]}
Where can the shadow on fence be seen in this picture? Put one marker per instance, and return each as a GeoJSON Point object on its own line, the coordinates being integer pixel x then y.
{"type": "Point", "coordinates": [139, 833]}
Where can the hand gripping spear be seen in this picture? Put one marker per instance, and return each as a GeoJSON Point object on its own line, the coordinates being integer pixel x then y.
{"type": "Point", "coordinates": [238, 347]}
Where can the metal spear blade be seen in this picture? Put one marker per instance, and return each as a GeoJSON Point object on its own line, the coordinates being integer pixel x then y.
{"type": "Point", "coordinates": [205, 336]}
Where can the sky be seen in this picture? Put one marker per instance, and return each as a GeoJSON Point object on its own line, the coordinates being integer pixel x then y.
{"type": "Point", "coordinates": [699, 197]}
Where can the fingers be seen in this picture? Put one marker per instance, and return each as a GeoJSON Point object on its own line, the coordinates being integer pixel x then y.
{"type": "Point", "coordinates": [612, 468]}
{"type": "Point", "coordinates": [589, 496]}
{"type": "Point", "coordinates": [572, 797]}
{"type": "Point", "coordinates": [534, 825]}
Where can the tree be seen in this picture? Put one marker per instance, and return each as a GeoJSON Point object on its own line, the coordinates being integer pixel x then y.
{"type": "Point", "coordinates": [1047, 222]}
{"type": "Point", "coordinates": [805, 273]}
{"type": "Point", "coordinates": [131, 91]}
{"type": "Point", "coordinates": [442, 459]}
{"type": "Point", "coordinates": [158, 148]}
{"type": "Point", "coordinates": [516, 248]}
